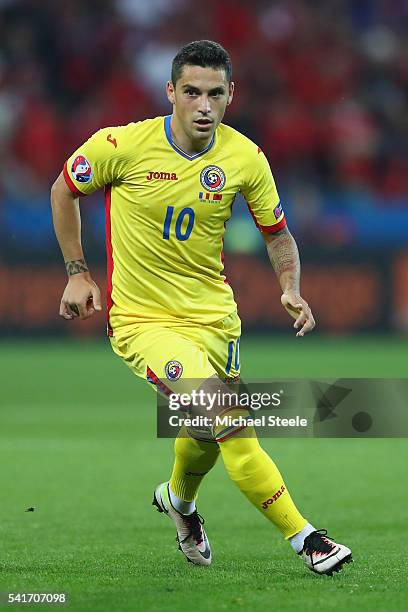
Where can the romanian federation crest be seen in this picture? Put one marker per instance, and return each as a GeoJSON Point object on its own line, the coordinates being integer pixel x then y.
{"type": "Point", "coordinates": [173, 369]}
{"type": "Point", "coordinates": [81, 169]}
{"type": "Point", "coordinates": [212, 178]}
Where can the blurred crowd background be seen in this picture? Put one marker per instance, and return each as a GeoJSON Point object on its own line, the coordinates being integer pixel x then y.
{"type": "Point", "coordinates": [321, 86]}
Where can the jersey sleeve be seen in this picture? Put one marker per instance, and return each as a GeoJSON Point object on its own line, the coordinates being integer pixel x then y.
{"type": "Point", "coordinates": [98, 162]}
{"type": "Point", "coordinates": [260, 192]}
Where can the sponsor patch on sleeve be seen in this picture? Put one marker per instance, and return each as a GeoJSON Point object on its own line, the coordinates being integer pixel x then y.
{"type": "Point", "coordinates": [277, 211]}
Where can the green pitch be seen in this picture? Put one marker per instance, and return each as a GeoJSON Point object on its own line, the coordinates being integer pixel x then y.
{"type": "Point", "coordinates": [77, 442]}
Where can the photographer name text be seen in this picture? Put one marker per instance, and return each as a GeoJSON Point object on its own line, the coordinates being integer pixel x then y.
{"type": "Point", "coordinates": [238, 421]}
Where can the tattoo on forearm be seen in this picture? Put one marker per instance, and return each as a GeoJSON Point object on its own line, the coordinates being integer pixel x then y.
{"type": "Point", "coordinates": [284, 256]}
{"type": "Point", "coordinates": [76, 267]}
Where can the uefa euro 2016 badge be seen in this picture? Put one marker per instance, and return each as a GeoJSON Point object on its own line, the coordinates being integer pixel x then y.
{"type": "Point", "coordinates": [81, 169]}
{"type": "Point", "coordinates": [173, 369]}
{"type": "Point", "coordinates": [212, 178]}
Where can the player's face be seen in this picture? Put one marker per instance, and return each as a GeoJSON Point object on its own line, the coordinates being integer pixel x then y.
{"type": "Point", "coordinates": [199, 100]}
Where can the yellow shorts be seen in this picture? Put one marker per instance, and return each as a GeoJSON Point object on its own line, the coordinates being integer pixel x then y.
{"type": "Point", "coordinates": [166, 352]}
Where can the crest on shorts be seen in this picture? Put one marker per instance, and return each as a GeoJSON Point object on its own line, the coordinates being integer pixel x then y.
{"type": "Point", "coordinates": [173, 369]}
{"type": "Point", "coordinates": [81, 169]}
{"type": "Point", "coordinates": [212, 178]}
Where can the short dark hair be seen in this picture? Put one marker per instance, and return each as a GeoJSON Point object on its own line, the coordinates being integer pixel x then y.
{"type": "Point", "coordinates": [204, 53]}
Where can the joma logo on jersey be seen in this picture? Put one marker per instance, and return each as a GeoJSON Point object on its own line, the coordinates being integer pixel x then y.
{"type": "Point", "coordinates": [162, 176]}
{"type": "Point", "coordinates": [272, 499]}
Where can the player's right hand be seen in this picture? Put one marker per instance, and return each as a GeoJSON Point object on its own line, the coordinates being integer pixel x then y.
{"type": "Point", "coordinates": [81, 298]}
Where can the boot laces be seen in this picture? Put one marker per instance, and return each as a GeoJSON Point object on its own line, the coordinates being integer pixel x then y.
{"type": "Point", "coordinates": [318, 542]}
{"type": "Point", "coordinates": [193, 522]}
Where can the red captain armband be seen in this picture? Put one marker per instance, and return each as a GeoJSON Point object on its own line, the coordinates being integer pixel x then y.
{"type": "Point", "coordinates": [272, 229]}
{"type": "Point", "coordinates": [70, 182]}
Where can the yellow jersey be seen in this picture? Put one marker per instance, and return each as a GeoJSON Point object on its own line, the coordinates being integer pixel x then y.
{"type": "Point", "coordinates": [165, 216]}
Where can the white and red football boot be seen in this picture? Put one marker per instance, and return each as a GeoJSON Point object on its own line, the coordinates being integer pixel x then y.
{"type": "Point", "coordinates": [191, 537]}
{"type": "Point", "coordinates": [322, 555]}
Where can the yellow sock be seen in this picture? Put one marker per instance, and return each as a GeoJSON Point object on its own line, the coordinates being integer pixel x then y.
{"type": "Point", "coordinates": [257, 476]}
{"type": "Point", "coordinates": [193, 460]}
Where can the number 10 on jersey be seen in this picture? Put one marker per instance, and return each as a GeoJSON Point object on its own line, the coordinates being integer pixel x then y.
{"type": "Point", "coordinates": [185, 213]}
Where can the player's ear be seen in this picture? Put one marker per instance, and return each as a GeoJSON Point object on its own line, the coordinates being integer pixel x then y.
{"type": "Point", "coordinates": [230, 93]}
{"type": "Point", "coordinates": [171, 94]}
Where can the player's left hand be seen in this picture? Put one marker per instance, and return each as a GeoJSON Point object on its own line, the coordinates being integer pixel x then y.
{"type": "Point", "coordinates": [300, 310]}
